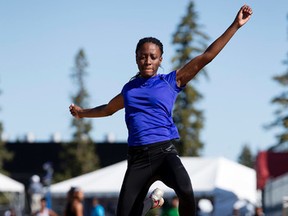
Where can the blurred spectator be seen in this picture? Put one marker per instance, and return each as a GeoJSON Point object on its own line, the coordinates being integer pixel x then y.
{"type": "Point", "coordinates": [236, 212]}
{"type": "Point", "coordinates": [10, 212]}
{"type": "Point", "coordinates": [44, 211]}
{"type": "Point", "coordinates": [98, 209]}
{"type": "Point", "coordinates": [35, 192]}
{"type": "Point", "coordinates": [173, 210]}
{"type": "Point", "coordinates": [74, 206]}
{"type": "Point", "coordinates": [259, 211]}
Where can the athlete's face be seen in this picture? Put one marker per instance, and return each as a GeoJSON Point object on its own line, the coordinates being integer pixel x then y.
{"type": "Point", "coordinates": [148, 59]}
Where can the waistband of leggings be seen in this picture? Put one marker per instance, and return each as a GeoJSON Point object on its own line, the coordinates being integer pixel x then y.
{"type": "Point", "coordinates": [151, 146]}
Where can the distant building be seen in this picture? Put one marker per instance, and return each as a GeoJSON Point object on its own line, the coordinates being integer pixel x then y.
{"type": "Point", "coordinates": [272, 179]}
{"type": "Point", "coordinates": [29, 157]}
{"type": "Point", "coordinates": [56, 138]}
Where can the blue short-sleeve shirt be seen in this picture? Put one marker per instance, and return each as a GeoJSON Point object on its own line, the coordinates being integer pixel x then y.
{"type": "Point", "coordinates": [148, 109]}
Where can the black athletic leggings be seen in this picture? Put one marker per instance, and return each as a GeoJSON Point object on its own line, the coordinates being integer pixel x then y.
{"type": "Point", "coordinates": [147, 164]}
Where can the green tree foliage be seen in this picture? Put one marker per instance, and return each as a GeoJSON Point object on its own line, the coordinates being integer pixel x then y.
{"type": "Point", "coordinates": [79, 155]}
{"type": "Point", "coordinates": [5, 155]}
{"type": "Point", "coordinates": [281, 101]}
{"type": "Point", "coordinates": [281, 113]}
{"type": "Point", "coordinates": [246, 157]}
{"type": "Point", "coordinates": [189, 42]}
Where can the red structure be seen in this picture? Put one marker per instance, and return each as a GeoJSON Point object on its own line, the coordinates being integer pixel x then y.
{"type": "Point", "coordinates": [270, 165]}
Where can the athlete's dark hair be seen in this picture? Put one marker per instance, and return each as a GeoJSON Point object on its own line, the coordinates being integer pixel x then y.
{"type": "Point", "coordinates": [149, 40]}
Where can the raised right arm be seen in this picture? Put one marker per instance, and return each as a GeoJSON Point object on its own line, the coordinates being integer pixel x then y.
{"type": "Point", "coordinates": [113, 106]}
{"type": "Point", "coordinates": [189, 70]}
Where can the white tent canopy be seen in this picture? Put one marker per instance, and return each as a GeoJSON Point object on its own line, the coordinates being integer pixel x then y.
{"type": "Point", "coordinates": [14, 191]}
{"type": "Point", "coordinates": [214, 177]}
{"type": "Point", "coordinates": [10, 185]}
{"type": "Point", "coordinates": [206, 174]}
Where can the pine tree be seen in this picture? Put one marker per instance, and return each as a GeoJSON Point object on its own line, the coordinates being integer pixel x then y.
{"type": "Point", "coordinates": [281, 112]}
{"type": "Point", "coordinates": [190, 41]}
{"type": "Point", "coordinates": [246, 157]}
{"type": "Point", "coordinates": [79, 155]}
{"type": "Point", "coordinates": [5, 155]}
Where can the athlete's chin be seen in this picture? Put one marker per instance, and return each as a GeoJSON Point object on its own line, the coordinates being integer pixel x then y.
{"type": "Point", "coordinates": [148, 73]}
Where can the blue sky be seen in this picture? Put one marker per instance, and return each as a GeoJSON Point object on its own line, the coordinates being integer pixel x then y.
{"type": "Point", "coordinates": [39, 41]}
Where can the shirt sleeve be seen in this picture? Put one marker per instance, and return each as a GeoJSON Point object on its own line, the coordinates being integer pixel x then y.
{"type": "Point", "coordinates": [170, 78]}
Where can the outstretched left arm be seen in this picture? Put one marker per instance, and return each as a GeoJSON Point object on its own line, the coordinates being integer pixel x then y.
{"type": "Point", "coordinates": [189, 70]}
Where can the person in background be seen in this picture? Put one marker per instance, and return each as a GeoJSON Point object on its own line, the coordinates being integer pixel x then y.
{"type": "Point", "coordinates": [259, 211]}
{"type": "Point", "coordinates": [173, 209]}
{"type": "Point", "coordinates": [74, 206]}
{"type": "Point", "coordinates": [235, 212]}
{"type": "Point", "coordinates": [10, 212]}
{"type": "Point", "coordinates": [98, 209]}
{"type": "Point", "coordinates": [44, 211]}
{"type": "Point", "coordinates": [35, 192]}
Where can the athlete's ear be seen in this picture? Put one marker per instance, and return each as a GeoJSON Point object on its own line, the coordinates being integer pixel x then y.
{"type": "Point", "coordinates": [160, 59]}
